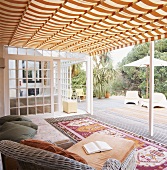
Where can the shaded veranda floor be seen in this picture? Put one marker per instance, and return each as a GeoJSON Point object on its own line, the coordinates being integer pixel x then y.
{"type": "Point", "coordinates": [130, 117]}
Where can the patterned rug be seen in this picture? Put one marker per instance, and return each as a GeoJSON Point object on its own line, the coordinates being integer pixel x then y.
{"type": "Point", "coordinates": [150, 155]}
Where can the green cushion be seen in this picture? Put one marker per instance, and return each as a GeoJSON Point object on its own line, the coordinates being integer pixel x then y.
{"type": "Point", "coordinates": [10, 118]}
{"type": "Point", "coordinates": [26, 123]}
{"type": "Point", "coordinates": [16, 132]}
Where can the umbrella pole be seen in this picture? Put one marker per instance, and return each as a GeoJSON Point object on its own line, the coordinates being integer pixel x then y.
{"type": "Point", "coordinates": [147, 82]}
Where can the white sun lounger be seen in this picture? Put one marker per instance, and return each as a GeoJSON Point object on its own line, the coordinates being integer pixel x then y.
{"type": "Point", "coordinates": [159, 101]}
{"type": "Point", "coordinates": [132, 97]}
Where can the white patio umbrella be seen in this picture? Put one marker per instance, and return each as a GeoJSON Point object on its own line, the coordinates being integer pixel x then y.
{"type": "Point", "coordinates": [144, 62]}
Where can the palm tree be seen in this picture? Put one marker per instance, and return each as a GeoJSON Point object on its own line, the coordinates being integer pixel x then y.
{"type": "Point", "coordinates": [103, 74]}
{"type": "Point", "coordinates": [76, 68]}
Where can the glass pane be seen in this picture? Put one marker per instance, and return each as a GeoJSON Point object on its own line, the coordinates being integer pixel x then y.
{"type": "Point", "coordinates": [40, 92]}
{"type": "Point", "coordinates": [31, 85]}
{"type": "Point", "coordinates": [12, 64]}
{"type": "Point", "coordinates": [46, 53]}
{"type": "Point", "coordinates": [30, 52]}
{"type": "Point", "coordinates": [13, 93]}
{"type": "Point", "coordinates": [31, 64]}
{"type": "Point", "coordinates": [38, 52]}
{"type": "Point", "coordinates": [55, 91]}
{"type": "Point", "coordinates": [46, 82]}
{"type": "Point", "coordinates": [55, 98]}
{"type": "Point", "coordinates": [14, 111]}
{"type": "Point", "coordinates": [55, 107]}
{"type": "Point", "coordinates": [47, 91]}
{"type": "Point", "coordinates": [24, 64]}
{"type": "Point", "coordinates": [47, 109]}
{"type": "Point", "coordinates": [31, 101]}
{"type": "Point", "coordinates": [12, 50]}
{"type": "Point", "coordinates": [21, 83]}
{"type": "Point", "coordinates": [46, 74]}
{"type": "Point", "coordinates": [23, 92]}
{"type": "Point", "coordinates": [20, 66]}
{"type": "Point", "coordinates": [40, 109]}
{"type": "Point", "coordinates": [13, 103]}
{"type": "Point", "coordinates": [46, 65]}
{"type": "Point", "coordinates": [47, 100]}
{"type": "Point", "coordinates": [23, 102]}
{"type": "Point", "coordinates": [23, 111]}
{"type": "Point", "coordinates": [12, 83]}
{"type": "Point", "coordinates": [39, 100]}
{"type": "Point", "coordinates": [22, 51]}
{"type": "Point", "coordinates": [12, 74]}
{"type": "Point", "coordinates": [55, 54]}
{"type": "Point", "coordinates": [33, 91]}
{"type": "Point", "coordinates": [32, 110]}
{"type": "Point", "coordinates": [20, 73]}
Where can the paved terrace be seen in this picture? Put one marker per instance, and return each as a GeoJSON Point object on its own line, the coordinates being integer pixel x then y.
{"type": "Point", "coordinates": [130, 117]}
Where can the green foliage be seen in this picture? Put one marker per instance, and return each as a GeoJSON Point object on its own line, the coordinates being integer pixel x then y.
{"type": "Point", "coordinates": [78, 76]}
{"type": "Point", "coordinates": [76, 68]}
{"type": "Point", "coordinates": [134, 78]}
{"type": "Point", "coordinates": [79, 79]}
{"type": "Point", "coordinates": [103, 74]}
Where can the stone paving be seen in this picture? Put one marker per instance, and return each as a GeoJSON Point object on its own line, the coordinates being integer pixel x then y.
{"type": "Point", "coordinates": [102, 110]}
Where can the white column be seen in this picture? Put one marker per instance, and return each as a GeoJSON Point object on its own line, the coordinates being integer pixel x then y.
{"type": "Point", "coordinates": [151, 91]}
{"type": "Point", "coordinates": [52, 86]}
{"type": "Point", "coordinates": [59, 86]}
{"type": "Point", "coordinates": [69, 85]}
{"type": "Point", "coordinates": [2, 85]}
{"type": "Point", "coordinates": [89, 85]}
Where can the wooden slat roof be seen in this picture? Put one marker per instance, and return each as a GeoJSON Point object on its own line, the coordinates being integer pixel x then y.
{"type": "Point", "coordinates": [86, 26]}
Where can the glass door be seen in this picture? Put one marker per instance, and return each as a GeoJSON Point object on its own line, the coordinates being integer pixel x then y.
{"type": "Point", "coordinates": [29, 87]}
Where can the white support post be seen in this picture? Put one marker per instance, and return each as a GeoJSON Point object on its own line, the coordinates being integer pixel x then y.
{"type": "Point", "coordinates": [89, 85]}
{"type": "Point", "coordinates": [70, 85]}
{"type": "Point", "coordinates": [151, 96]}
{"type": "Point", "coordinates": [59, 86]}
{"type": "Point", "coordinates": [52, 87]}
{"type": "Point", "coordinates": [2, 85]}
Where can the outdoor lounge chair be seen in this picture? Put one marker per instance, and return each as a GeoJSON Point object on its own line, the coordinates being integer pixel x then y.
{"type": "Point", "coordinates": [159, 101]}
{"type": "Point", "coordinates": [132, 97]}
{"type": "Point", "coordinates": [80, 94]}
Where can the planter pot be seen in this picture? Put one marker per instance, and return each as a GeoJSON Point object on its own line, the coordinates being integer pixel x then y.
{"type": "Point", "coordinates": [107, 95]}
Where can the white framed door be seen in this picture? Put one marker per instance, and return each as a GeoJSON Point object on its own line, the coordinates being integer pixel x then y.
{"type": "Point", "coordinates": [29, 86]}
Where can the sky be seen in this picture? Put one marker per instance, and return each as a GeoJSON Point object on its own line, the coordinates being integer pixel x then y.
{"type": "Point", "coordinates": [118, 55]}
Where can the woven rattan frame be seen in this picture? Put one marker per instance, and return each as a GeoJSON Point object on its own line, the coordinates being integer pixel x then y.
{"type": "Point", "coordinates": [30, 158]}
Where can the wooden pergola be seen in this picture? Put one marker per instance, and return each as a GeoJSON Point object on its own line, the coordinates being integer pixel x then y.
{"type": "Point", "coordinates": [84, 26]}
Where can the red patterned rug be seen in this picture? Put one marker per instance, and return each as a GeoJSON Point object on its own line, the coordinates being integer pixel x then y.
{"type": "Point", "coordinates": [149, 154]}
